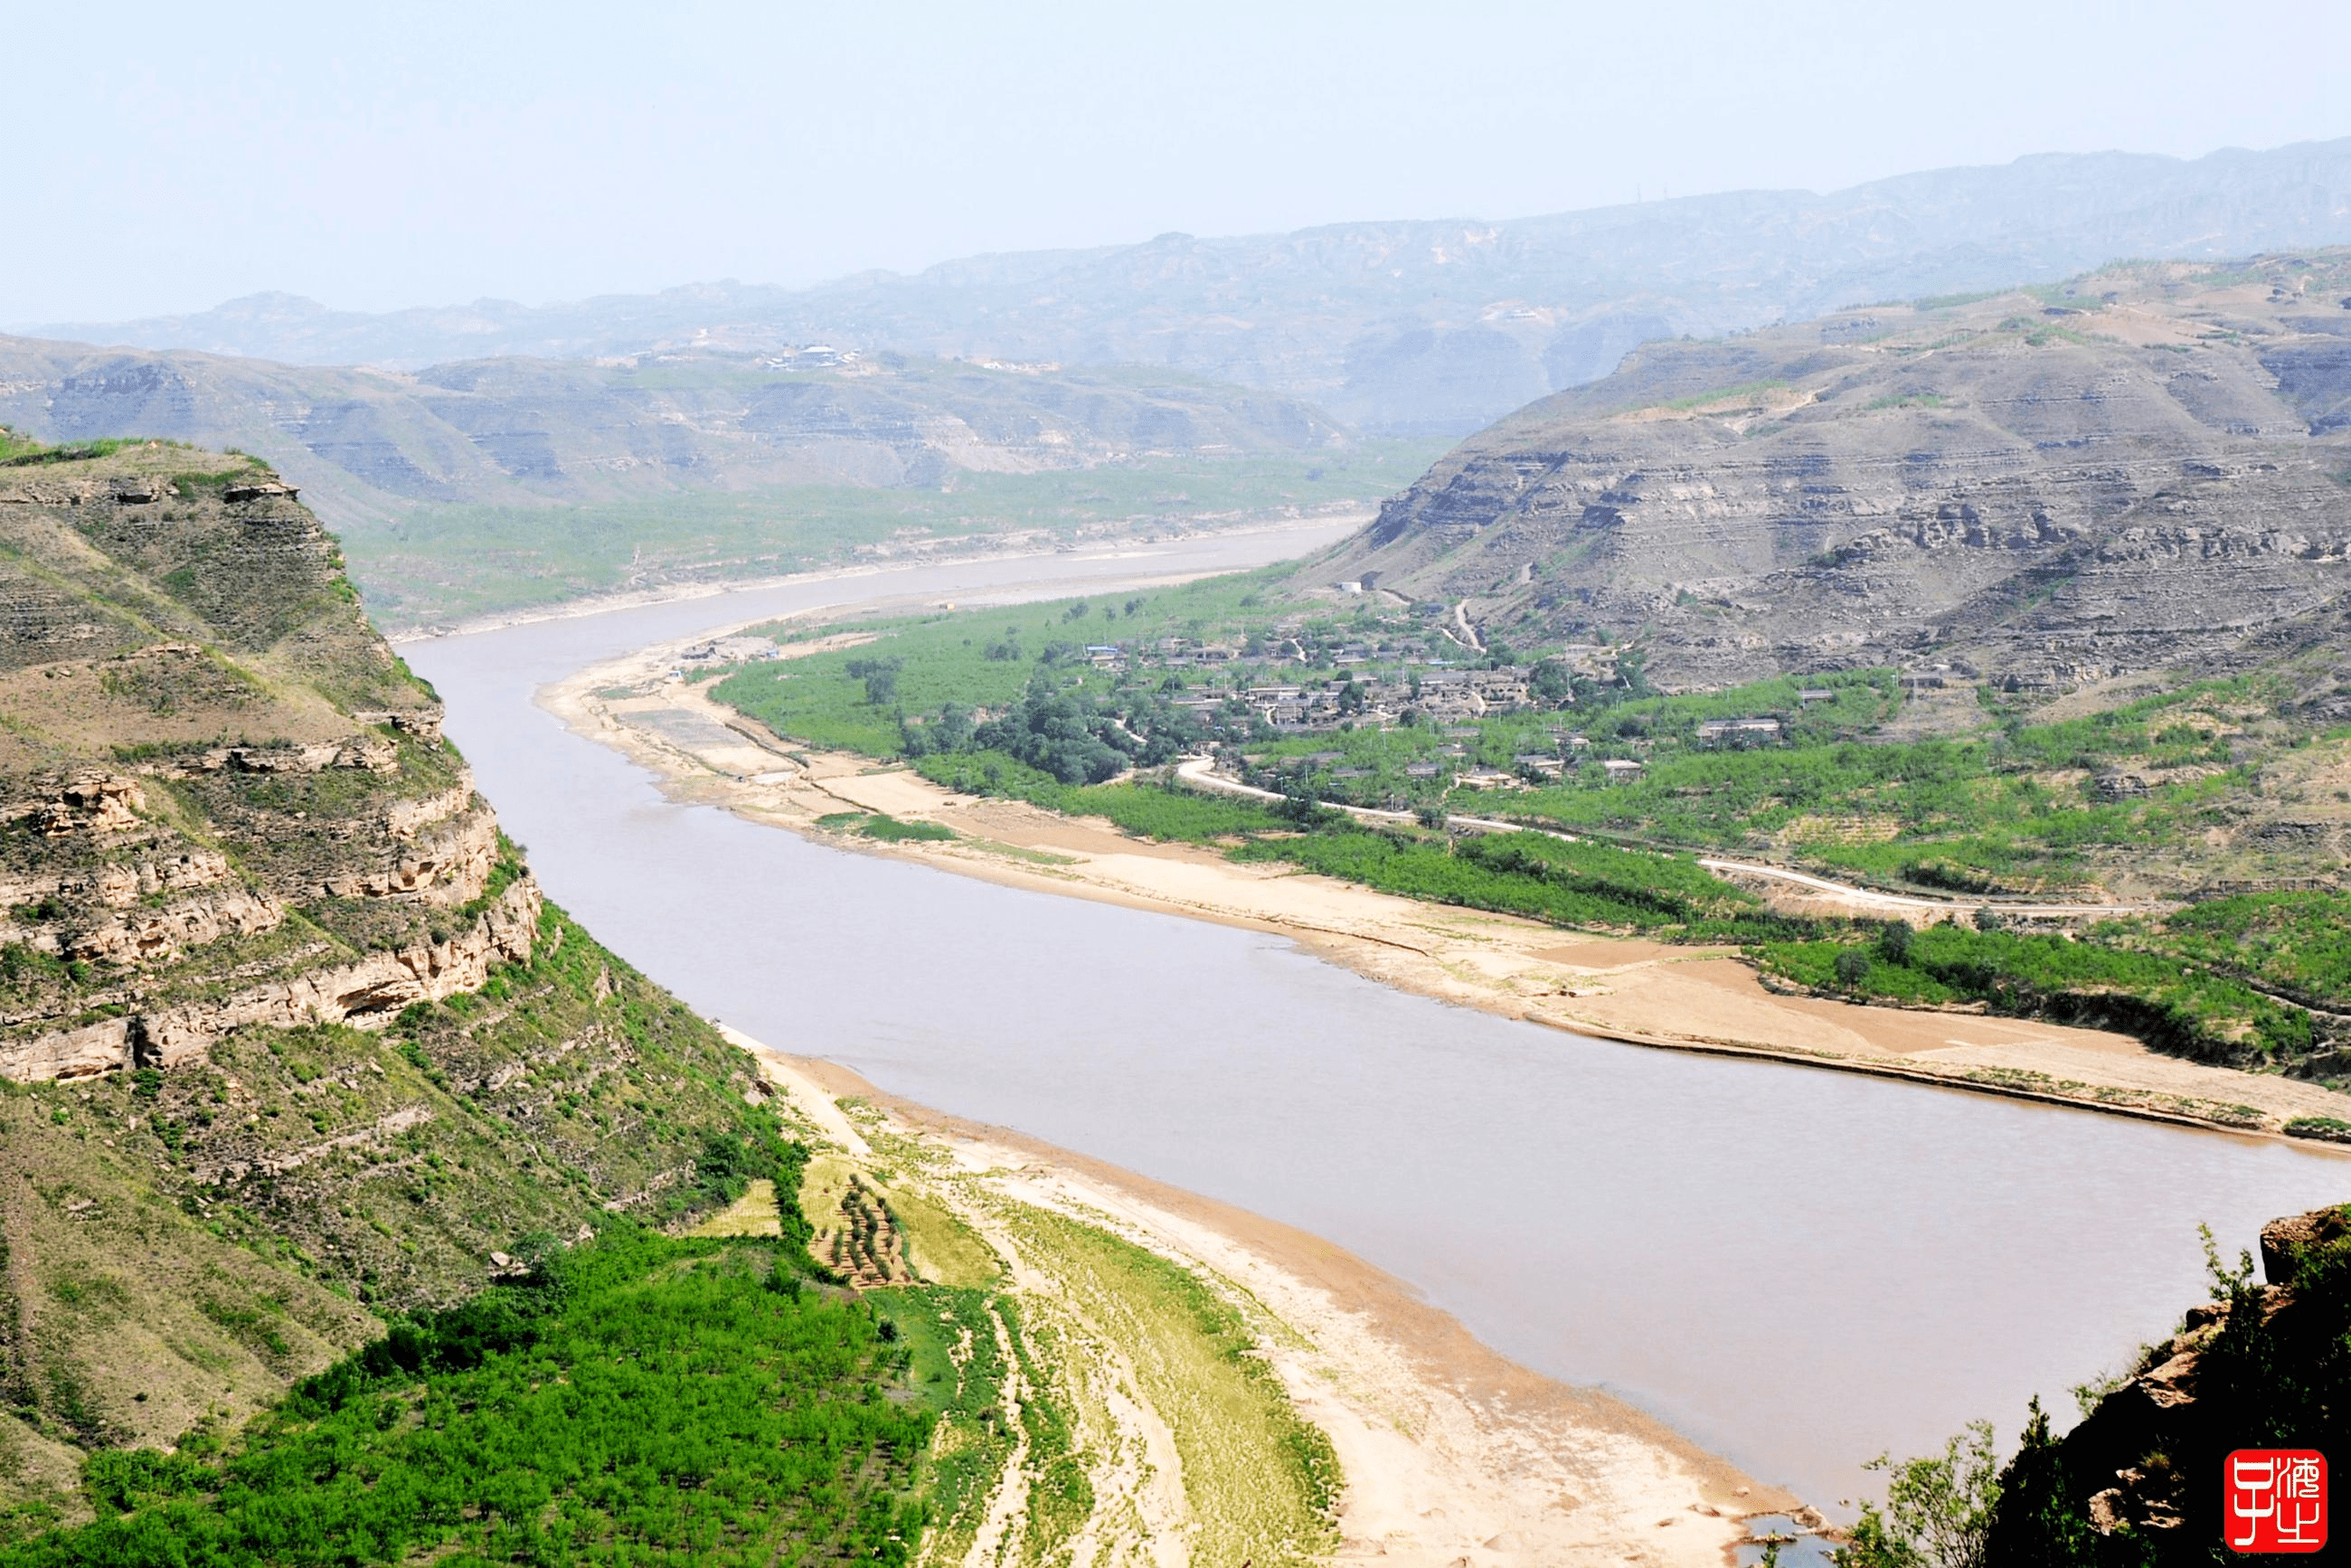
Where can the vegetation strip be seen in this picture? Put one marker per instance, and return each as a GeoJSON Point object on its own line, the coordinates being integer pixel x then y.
{"type": "Point", "coordinates": [1012, 703]}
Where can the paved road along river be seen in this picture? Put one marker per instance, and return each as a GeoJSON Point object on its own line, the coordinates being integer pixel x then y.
{"type": "Point", "coordinates": [1797, 1267]}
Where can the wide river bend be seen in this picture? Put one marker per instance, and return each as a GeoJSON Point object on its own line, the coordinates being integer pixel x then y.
{"type": "Point", "coordinates": [1797, 1267]}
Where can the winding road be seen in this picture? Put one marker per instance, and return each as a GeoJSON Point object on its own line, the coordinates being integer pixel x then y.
{"type": "Point", "coordinates": [1200, 773]}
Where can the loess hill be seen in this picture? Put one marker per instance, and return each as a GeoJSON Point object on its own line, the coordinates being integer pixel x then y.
{"type": "Point", "coordinates": [481, 485]}
{"type": "Point", "coordinates": [2045, 489]}
{"type": "Point", "coordinates": [289, 1038]}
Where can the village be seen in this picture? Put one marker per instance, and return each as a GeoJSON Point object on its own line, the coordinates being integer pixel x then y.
{"type": "Point", "coordinates": [1392, 711]}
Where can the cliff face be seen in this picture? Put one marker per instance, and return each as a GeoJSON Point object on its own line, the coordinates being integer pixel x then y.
{"type": "Point", "coordinates": [226, 802]}
{"type": "Point", "coordinates": [2140, 1480]}
{"type": "Point", "coordinates": [287, 1035]}
{"type": "Point", "coordinates": [2152, 464]}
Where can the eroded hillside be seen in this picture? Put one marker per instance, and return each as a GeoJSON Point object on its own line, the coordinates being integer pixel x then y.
{"type": "Point", "coordinates": [2049, 488]}
{"type": "Point", "coordinates": [482, 486]}
{"type": "Point", "coordinates": [287, 1035]}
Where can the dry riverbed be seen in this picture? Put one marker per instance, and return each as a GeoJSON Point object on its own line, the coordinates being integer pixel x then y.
{"type": "Point", "coordinates": [1642, 992]}
{"type": "Point", "coordinates": [1449, 1455]}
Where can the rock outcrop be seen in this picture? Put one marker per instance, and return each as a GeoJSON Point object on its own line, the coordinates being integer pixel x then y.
{"type": "Point", "coordinates": [296, 1041]}
{"type": "Point", "coordinates": [222, 803]}
{"type": "Point", "coordinates": [2261, 1364]}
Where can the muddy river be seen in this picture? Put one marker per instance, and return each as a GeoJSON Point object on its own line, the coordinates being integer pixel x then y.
{"type": "Point", "coordinates": [1795, 1267]}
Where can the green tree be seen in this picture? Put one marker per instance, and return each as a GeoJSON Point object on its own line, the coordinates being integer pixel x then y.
{"type": "Point", "coordinates": [880, 676]}
{"type": "Point", "coordinates": [1852, 967]}
{"type": "Point", "coordinates": [2037, 1523]}
{"type": "Point", "coordinates": [1937, 1510]}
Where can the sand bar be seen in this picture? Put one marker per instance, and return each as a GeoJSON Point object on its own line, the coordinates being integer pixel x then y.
{"type": "Point", "coordinates": [1451, 1453]}
{"type": "Point", "coordinates": [1641, 992]}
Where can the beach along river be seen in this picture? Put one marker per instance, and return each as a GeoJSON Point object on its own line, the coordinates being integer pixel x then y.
{"type": "Point", "coordinates": [1797, 1267]}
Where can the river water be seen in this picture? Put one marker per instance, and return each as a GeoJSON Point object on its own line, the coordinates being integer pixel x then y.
{"type": "Point", "coordinates": [1797, 1267]}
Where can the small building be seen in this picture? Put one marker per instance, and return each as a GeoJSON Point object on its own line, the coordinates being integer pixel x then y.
{"type": "Point", "coordinates": [1420, 770]}
{"type": "Point", "coordinates": [1811, 695]}
{"type": "Point", "coordinates": [1621, 770]}
{"type": "Point", "coordinates": [1738, 731]}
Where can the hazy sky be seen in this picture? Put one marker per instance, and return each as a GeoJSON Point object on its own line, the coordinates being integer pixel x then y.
{"type": "Point", "coordinates": [163, 158]}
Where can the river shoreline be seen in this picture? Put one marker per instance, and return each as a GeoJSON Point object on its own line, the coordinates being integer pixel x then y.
{"type": "Point", "coordinates": [1755, 1259]}
{"type": "Point", "coordinates": [1116, 548]}
{"type": "Point", "coordinates": [1698, 1000]}
{"type": "Point", "coordinates": [1451, 1452]}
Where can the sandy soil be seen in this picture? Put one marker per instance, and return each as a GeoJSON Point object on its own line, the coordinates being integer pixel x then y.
{"type": "Point", "coordinates": [1641, 992]}
{"type": "Point", "coordinates": [1452, 1455]}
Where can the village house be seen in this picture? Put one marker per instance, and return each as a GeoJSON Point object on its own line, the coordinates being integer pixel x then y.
{"type": "Point", "coordinates": [1500, 690]}
{"type": "Point", "coordinates": [1738, 731]}
{"type": "Point", "coordinates": [1621, 770]}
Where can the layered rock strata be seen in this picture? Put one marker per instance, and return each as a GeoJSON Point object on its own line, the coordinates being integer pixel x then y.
{"type": "Point", "coordinates": [2049, 488]}
{"type": "Point", "coordinates": [223, 801]}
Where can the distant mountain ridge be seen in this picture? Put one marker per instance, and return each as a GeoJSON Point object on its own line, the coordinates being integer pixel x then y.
{"type": "Point", "coordinates": [367, 443]}
{"type": "Point", "coordinates": [1424, 328]}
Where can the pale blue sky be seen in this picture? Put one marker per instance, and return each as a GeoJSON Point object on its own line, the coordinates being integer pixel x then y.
{"type": "Point", "coordinates": [163, 158]}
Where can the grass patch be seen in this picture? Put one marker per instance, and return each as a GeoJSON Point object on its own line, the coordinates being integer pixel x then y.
{"type": "Point", "coordinates": [1263, 1484]}
{"type": "Point", "coordinates": [753, 1214]}
{"type": "Point", "coordinates": [941, 1248]}
{"type": "Point", "coordinates": [890, 829]}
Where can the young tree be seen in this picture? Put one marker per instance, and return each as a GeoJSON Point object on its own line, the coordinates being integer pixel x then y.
{"type": "Point", "coordinates": [880, 676]}
{"type": "Point", "coordinates": [1937, 1510]}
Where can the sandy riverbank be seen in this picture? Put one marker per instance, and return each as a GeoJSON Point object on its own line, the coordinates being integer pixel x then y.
{"type": "Point", "coordinates": [1119, 547]}
{"type": "Point", "coordinates": [1452, 1455]}
{"type": "Point", "coordinates": [1640, 992]}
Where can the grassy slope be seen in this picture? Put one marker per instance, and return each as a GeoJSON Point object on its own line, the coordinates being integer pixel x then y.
{"type": "Point", "coordinates": [180, 1245]}
{"type": "Point", "coordinates": [646, 1400]}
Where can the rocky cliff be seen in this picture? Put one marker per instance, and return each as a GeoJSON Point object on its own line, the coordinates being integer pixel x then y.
{"type": "Point", "coordinates": [2149, 464]}
{"type": "Point", "coordinates": [228, 801]}
{"type": "Point", "coordinates": [2261, 1364]}
{"type": "Point", "coordinates": [287, 1036]}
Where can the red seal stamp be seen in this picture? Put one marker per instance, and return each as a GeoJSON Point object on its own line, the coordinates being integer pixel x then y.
{"type": "Point", "coordinates": [2276, 1500]}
